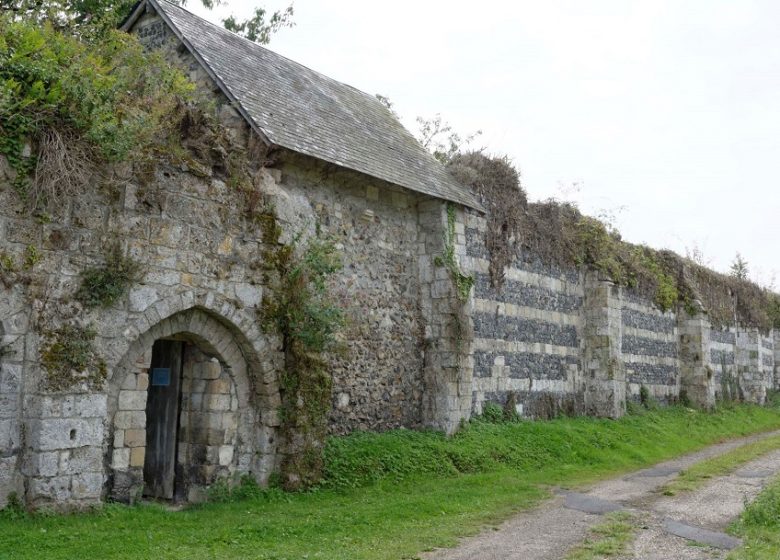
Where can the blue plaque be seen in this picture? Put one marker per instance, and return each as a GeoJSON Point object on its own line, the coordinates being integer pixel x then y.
{"type": "Point", "coordinates": [161, 377]}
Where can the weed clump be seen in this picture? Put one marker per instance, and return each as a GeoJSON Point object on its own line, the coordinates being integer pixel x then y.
{"type": "Point", "coordinates": [104, 285]}
{"type": "Point", "coordinates": [68, 358]}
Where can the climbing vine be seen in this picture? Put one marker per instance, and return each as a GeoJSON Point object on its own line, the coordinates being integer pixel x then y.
{"type": "Point", "coordinates": [462, 282]}
{"type": "Point", "coordinates": [299, 308]}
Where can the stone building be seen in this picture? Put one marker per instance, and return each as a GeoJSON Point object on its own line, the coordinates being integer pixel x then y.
{"type": "Point", "coordinates": [192, 382]}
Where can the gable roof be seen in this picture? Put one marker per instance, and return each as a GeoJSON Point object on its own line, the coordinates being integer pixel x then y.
{"type": "Point", "coordinates": [296, 108]}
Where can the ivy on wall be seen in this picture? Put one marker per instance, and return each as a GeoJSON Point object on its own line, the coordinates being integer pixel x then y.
{"type": "Point", "coordinates": [462, 282]}
{"type": "Point", "coordinates": [298, 307]}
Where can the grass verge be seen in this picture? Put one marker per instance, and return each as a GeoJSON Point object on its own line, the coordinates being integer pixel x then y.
{"type": "Point", "coordinates": [696, 476]}
{"type": "Point", "coordinates": [387, 496]}
{"type": "Point", "coordinates": [608, 539]}
{"type": "Point", "coordinates": [759, 527]}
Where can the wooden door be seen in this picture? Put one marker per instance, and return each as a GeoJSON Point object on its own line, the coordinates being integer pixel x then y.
{"type": "Point", "coordinates": [162, 418]}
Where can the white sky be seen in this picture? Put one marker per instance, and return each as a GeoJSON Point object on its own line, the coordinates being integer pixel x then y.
{"type": "Point", "coordinates": [664, 113]}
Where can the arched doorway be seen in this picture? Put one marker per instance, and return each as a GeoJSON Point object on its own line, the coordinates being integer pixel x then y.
{"type": "Point", "coordinates": [187, 409]}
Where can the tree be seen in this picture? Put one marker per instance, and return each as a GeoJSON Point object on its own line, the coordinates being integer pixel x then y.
{"type": "Point", "coordinates": [437, 136]}
{"type": "Point", "coordinates": [257, 28]}
{"type": "Point", "coordinates": [91, 19]}
{"type": "Point", "coordinates": [739, 268]}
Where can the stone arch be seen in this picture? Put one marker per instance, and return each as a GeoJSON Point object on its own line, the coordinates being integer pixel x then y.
{"type": "Point", "coordinates": [217, 329]}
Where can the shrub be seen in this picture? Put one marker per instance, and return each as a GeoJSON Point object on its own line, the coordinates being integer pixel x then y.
{"type": "Point", "coordinates": [66, 107]}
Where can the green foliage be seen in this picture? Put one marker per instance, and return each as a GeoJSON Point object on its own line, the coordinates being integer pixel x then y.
{"type": "Point", "coordinates": [32, 256]}
{"type": "Point", "coordinates": [299, 308]}
{"type": "Point", "coordinates": [235, 489]}
{"type": "Point", "coordinates": [759, 526]}
{"type": "Point", "coordinates": [66, 107]}
{"type": "Point", "coordinates": [87, 19]}
{"type": "Point", "coordinates": [69, 358]}
{"type": "Point", "coordinates": [739, 268]}
{"type": "Point", "coordinates": [492, 413]}
{"type": "Point", "coordinates": [104, 285]}
{"type": "Point", "coordinates": [91, 20]}
{"type": "Point", "coordinates": [561, 235]}
{"type": "Point", "coordinates": [13, 510]}
{"type": "Point", "coordinates": [554, 447]}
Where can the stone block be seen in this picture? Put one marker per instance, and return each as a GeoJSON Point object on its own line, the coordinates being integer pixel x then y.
{"type": "Point", "coordinates": [219, 403]}
{"type": "Point", "coordinates": [211, 369]}
{"type": "Point", "coordinates": [120, 458]}
{"type": "Point", "coordinates": [225, 455]}
{"type": "Point", "coordinates": [66, 433]}
{"type": "Point", "coordinates": [55, 489]}
{"type": "Point", "coordinates": [87, 486]}
{"type": "Point", "coordinates": [135, 438]}
{"type": "Point", "coordinates": [132, 400]}
{"type": "Point", "coordinates": [249, 294]}
{"type": "Point", "coordinates": [91, 406]}
{"type": "Point", "coordinates": [130, 382]}
{"type": "Point", "coordinates": [83, 460]}
{"type": "Point", "coordinates": [219, 386]}
{"type": "Point", "coordinates": [42, 464]}
{"type": "Point", "coordinates": [10, 378]}
{"type": "Point", "coordinates": [137, 456]}
{"type": "Point", "coordinates": [142, 383]}
{"type": "Point", "coordinates": [127, 420]}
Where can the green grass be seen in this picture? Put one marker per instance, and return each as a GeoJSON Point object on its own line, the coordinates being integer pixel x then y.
{"type": "Point", "coordinates": [696, 476]}
{"type": "Point", "coordinates": [608, 539]}
{"type": "Point", "coordinates": [387, 496]}
{"type": "Point", "coordinates": [759, 527]}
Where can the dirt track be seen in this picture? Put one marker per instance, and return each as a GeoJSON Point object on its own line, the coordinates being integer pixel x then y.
{"type": "Point", "coordinates": [549, 531]}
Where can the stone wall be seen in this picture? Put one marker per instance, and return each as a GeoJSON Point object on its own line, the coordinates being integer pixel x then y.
{"type": "Point", "coordinates": [377, 374]}
{"type": "Point", "coordinates": [649, 348]}
{"type": "Point", "coordinates": [527, 333]}
{"type": "Point", "coordinates": [569, 341]}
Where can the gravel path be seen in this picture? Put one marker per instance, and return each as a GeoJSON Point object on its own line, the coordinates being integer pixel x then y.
{"type": "Point", "coordinates": [550, 530]}
{"type": "Point", "coordinates": [708, 511]}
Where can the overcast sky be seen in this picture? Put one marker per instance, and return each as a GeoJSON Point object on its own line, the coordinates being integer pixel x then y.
{"type": "Point", "coordinates": [663, 114]}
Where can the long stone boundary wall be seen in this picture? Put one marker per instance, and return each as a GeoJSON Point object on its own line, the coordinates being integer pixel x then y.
{"type": "Point", "coordinates": [553, 341]}
{"type": "Point", "coordinates": [416, 353]}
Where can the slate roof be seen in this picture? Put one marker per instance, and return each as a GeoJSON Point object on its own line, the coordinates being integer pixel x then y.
{"type": "Point", "coordinates": [304, 111]}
